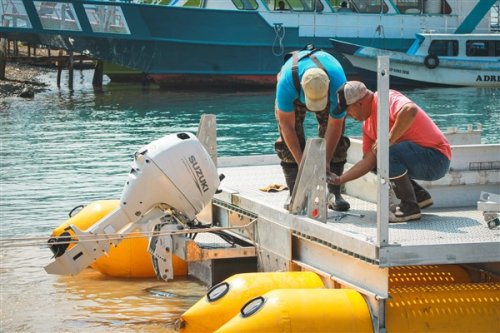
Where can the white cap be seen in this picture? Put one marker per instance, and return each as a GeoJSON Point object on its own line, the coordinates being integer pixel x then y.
{"type": "Point", "coordinates": [354, 91]}
{"type": "Point", "coordinates": [315, 84]}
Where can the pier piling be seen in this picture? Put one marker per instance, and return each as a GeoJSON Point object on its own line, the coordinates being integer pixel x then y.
{"type": "Point", "coordinates": [16, 48]}
{"type": "Point", "coordinates": [70, 70]}
{"type": "Point", "coordinates": [3, 57]}
{"type": "Point", "coordinates": [59, 69]}
{"type": "Point", "coordinates": [98, 72]}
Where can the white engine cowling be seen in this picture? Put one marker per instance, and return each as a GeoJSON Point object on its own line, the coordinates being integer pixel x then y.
{"type": "Point", "coordinates": [175, 170]}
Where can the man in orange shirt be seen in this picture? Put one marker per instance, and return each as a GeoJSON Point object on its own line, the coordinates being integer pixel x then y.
{"type": "Point", "coordinates": [417, 148]}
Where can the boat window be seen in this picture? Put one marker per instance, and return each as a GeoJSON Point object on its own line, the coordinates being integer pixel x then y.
{"type": "Point", "coordinates": [409, 6]}
{"type": "Point", "coordinates": [281, 5]}
{"type": "Point", "coordinates": [246, 4]}
{"type": "Point", "coordinates": [482, 48]}
{"type": "Point", "coordinates": [344, 7]}
{"type": "Point", "coordinates": [106, 18]}
{"type": "Point", "coordinates": [172, 3]}
{"type": "Point", "coordinates": [422, 6]}
{"type": "Point", "coordinates": [368, 6]}
{"type": "Point", "coordinates": [446, 48]}
{"type": "Point", "coordinates": [13, 15]}
{"type": "Point", "coordinates": [57, 15]}
{"type": "Point", "coordinates": [296, 5]}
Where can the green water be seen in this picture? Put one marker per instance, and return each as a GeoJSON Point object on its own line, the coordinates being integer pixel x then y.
{"type": "Point", "coordinates": [64, 149]}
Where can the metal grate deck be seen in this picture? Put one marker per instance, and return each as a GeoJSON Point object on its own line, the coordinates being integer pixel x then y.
{"type": "Point", "coordinates": [441, 236]}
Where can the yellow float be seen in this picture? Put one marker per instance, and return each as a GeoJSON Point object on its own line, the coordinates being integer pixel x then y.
{"type": "Point", "coordinates": [472, 307]}
{"type": "Point", "coordinates": [130, 258]}
{"type": "Point", "coordinates": [303, 310]}
{"type": "Point", "coordinates": [225, 299]}
{"type": "Point", "coordinates": [405, 276]}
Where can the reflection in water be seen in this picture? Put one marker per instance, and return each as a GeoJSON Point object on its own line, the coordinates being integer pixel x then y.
{"type": "Point", "coordinates": [62, 150]}
{"type": "Point", "coordinates": [89, 302]}
{"type": "Point", "coordinates": [111, 302]}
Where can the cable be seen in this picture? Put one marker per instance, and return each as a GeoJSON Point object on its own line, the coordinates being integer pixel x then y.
{"type": "Point", "coordinates": [279, 31]}
{"type": "Point", "coordinates": [43, 241]}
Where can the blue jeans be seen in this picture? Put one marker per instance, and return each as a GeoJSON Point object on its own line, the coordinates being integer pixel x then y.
{"type": "Point", "coordinates": [421, 163]}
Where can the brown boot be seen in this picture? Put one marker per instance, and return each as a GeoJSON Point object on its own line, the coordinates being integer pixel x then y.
{"type": "Point", "coordinates": [423, 197]}
{"type": "Point", "coordinates": [335, 199]}
{"type": "Point", "coordinates": [290, 171]}
{"type": "Point", "coordinates": [408, 209]}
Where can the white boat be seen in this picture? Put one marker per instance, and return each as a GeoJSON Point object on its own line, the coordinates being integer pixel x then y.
{"type": "Point", "coordinates": [227, 43]}
{"type": "Point", "coordinates": [434, 59]}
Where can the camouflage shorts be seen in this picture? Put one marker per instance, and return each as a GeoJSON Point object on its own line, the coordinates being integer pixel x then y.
{"type": "Point", "coordinates": [340, 154]}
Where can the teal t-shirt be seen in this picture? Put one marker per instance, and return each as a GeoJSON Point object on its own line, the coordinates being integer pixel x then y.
{"type": "Point", "coordinates": [286, 93]}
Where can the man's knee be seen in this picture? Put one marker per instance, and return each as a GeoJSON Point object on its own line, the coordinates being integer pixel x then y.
{"type": "Point", "coordinates": [340, 154]}
{"type": "Point", "coordinates": [283, 152]}
{"type": "Point", "coordinates": [290, 171]}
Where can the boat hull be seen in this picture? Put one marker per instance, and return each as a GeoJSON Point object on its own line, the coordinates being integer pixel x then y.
{"type": "Point", "coordinates": [210, 82]}
{"type": "Point", "coordinates": [411, 69]}
{"type": "Point", "coordinates": [217, 45]}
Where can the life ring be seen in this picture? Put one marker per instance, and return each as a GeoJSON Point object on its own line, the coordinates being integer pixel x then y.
{"type": "Point", "coordinates": [431, 61]}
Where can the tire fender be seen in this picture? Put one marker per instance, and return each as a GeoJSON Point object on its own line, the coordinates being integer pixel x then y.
{"type": "Point", "coordinates": [431, 61]}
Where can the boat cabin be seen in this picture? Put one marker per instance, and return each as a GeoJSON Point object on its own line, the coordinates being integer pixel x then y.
{"type": "Point", "coordinates": [411, 7]}
{"type": "Point", "coordinates": [457, 45]}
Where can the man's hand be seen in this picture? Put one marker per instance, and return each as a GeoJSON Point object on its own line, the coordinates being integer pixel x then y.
{"type": "Point", "coordinates": [332, 178]}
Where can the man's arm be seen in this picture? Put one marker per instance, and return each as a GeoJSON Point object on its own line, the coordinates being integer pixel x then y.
{"type": "Point", "coordinates": [287, 126]}
{"type": "Point", "coordinates": [332, 137]}
{"type": "Point", "coordinates": [404, 119]}
{"type": "Point", "coordinates": [359, 169]}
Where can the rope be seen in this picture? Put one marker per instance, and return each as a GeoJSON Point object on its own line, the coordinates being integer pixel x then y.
{"type": "Point", "coordinates": [278, 48]}
{"type": "Point", "coordinates": [37, 241]}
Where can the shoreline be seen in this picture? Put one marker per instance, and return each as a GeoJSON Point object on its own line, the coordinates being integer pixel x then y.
{"type": "Point", "coordinates": [27, 71]}
{"type": "Point", "coordinates": [20, 76]}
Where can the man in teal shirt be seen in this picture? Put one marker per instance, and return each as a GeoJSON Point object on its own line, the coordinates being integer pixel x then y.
{"type": "Point", "coordinates": [308, 81]}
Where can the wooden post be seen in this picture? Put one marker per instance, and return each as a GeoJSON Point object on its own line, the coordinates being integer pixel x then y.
{"type": "Point", "coordinates": [98, 72]}
{"type": "Point", "coordinates": [146, 82]}
{"type": "Point", "coordinates": [3, 57]}
{"type": "Point", "coordinates": [29, 50]}
{"type": "Point", "coordinates": [59, 69]}
{"type": "Point", "coordinates": [70, 70]}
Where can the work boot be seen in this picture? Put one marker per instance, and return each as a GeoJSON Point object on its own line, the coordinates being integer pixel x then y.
{"type": "Point", "coordinates": [290, 171]}
{"type": "Point", "coordinates": [408, 208]}
{"type": "Point", "coordinates": [424, 198]}
{"type": "Point", "coordinates": [335, 199]}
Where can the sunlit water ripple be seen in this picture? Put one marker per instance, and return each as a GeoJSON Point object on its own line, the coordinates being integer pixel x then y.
{"type": "Point", "coordinates": [61, 150]}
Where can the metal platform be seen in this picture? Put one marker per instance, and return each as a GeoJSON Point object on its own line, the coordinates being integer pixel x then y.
{"type": "Point", "coordinates": [357, 250]}
{"type": "Point", "coordinates": [345, 246]}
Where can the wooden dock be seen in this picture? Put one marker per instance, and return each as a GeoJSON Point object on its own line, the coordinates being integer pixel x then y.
{"type": "Point", "coordinates": [38, 56]}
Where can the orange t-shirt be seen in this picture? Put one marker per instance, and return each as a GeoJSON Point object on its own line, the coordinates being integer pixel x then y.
{"type": "Point", "coordinates": [422, 131]}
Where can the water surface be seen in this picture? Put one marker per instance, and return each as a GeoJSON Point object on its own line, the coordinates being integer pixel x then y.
{"type": "Point", "coordinates": [65, 149]}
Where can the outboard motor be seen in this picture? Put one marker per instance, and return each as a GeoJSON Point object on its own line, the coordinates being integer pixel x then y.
{"type": "Point", "coordinates": [172, 177]}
